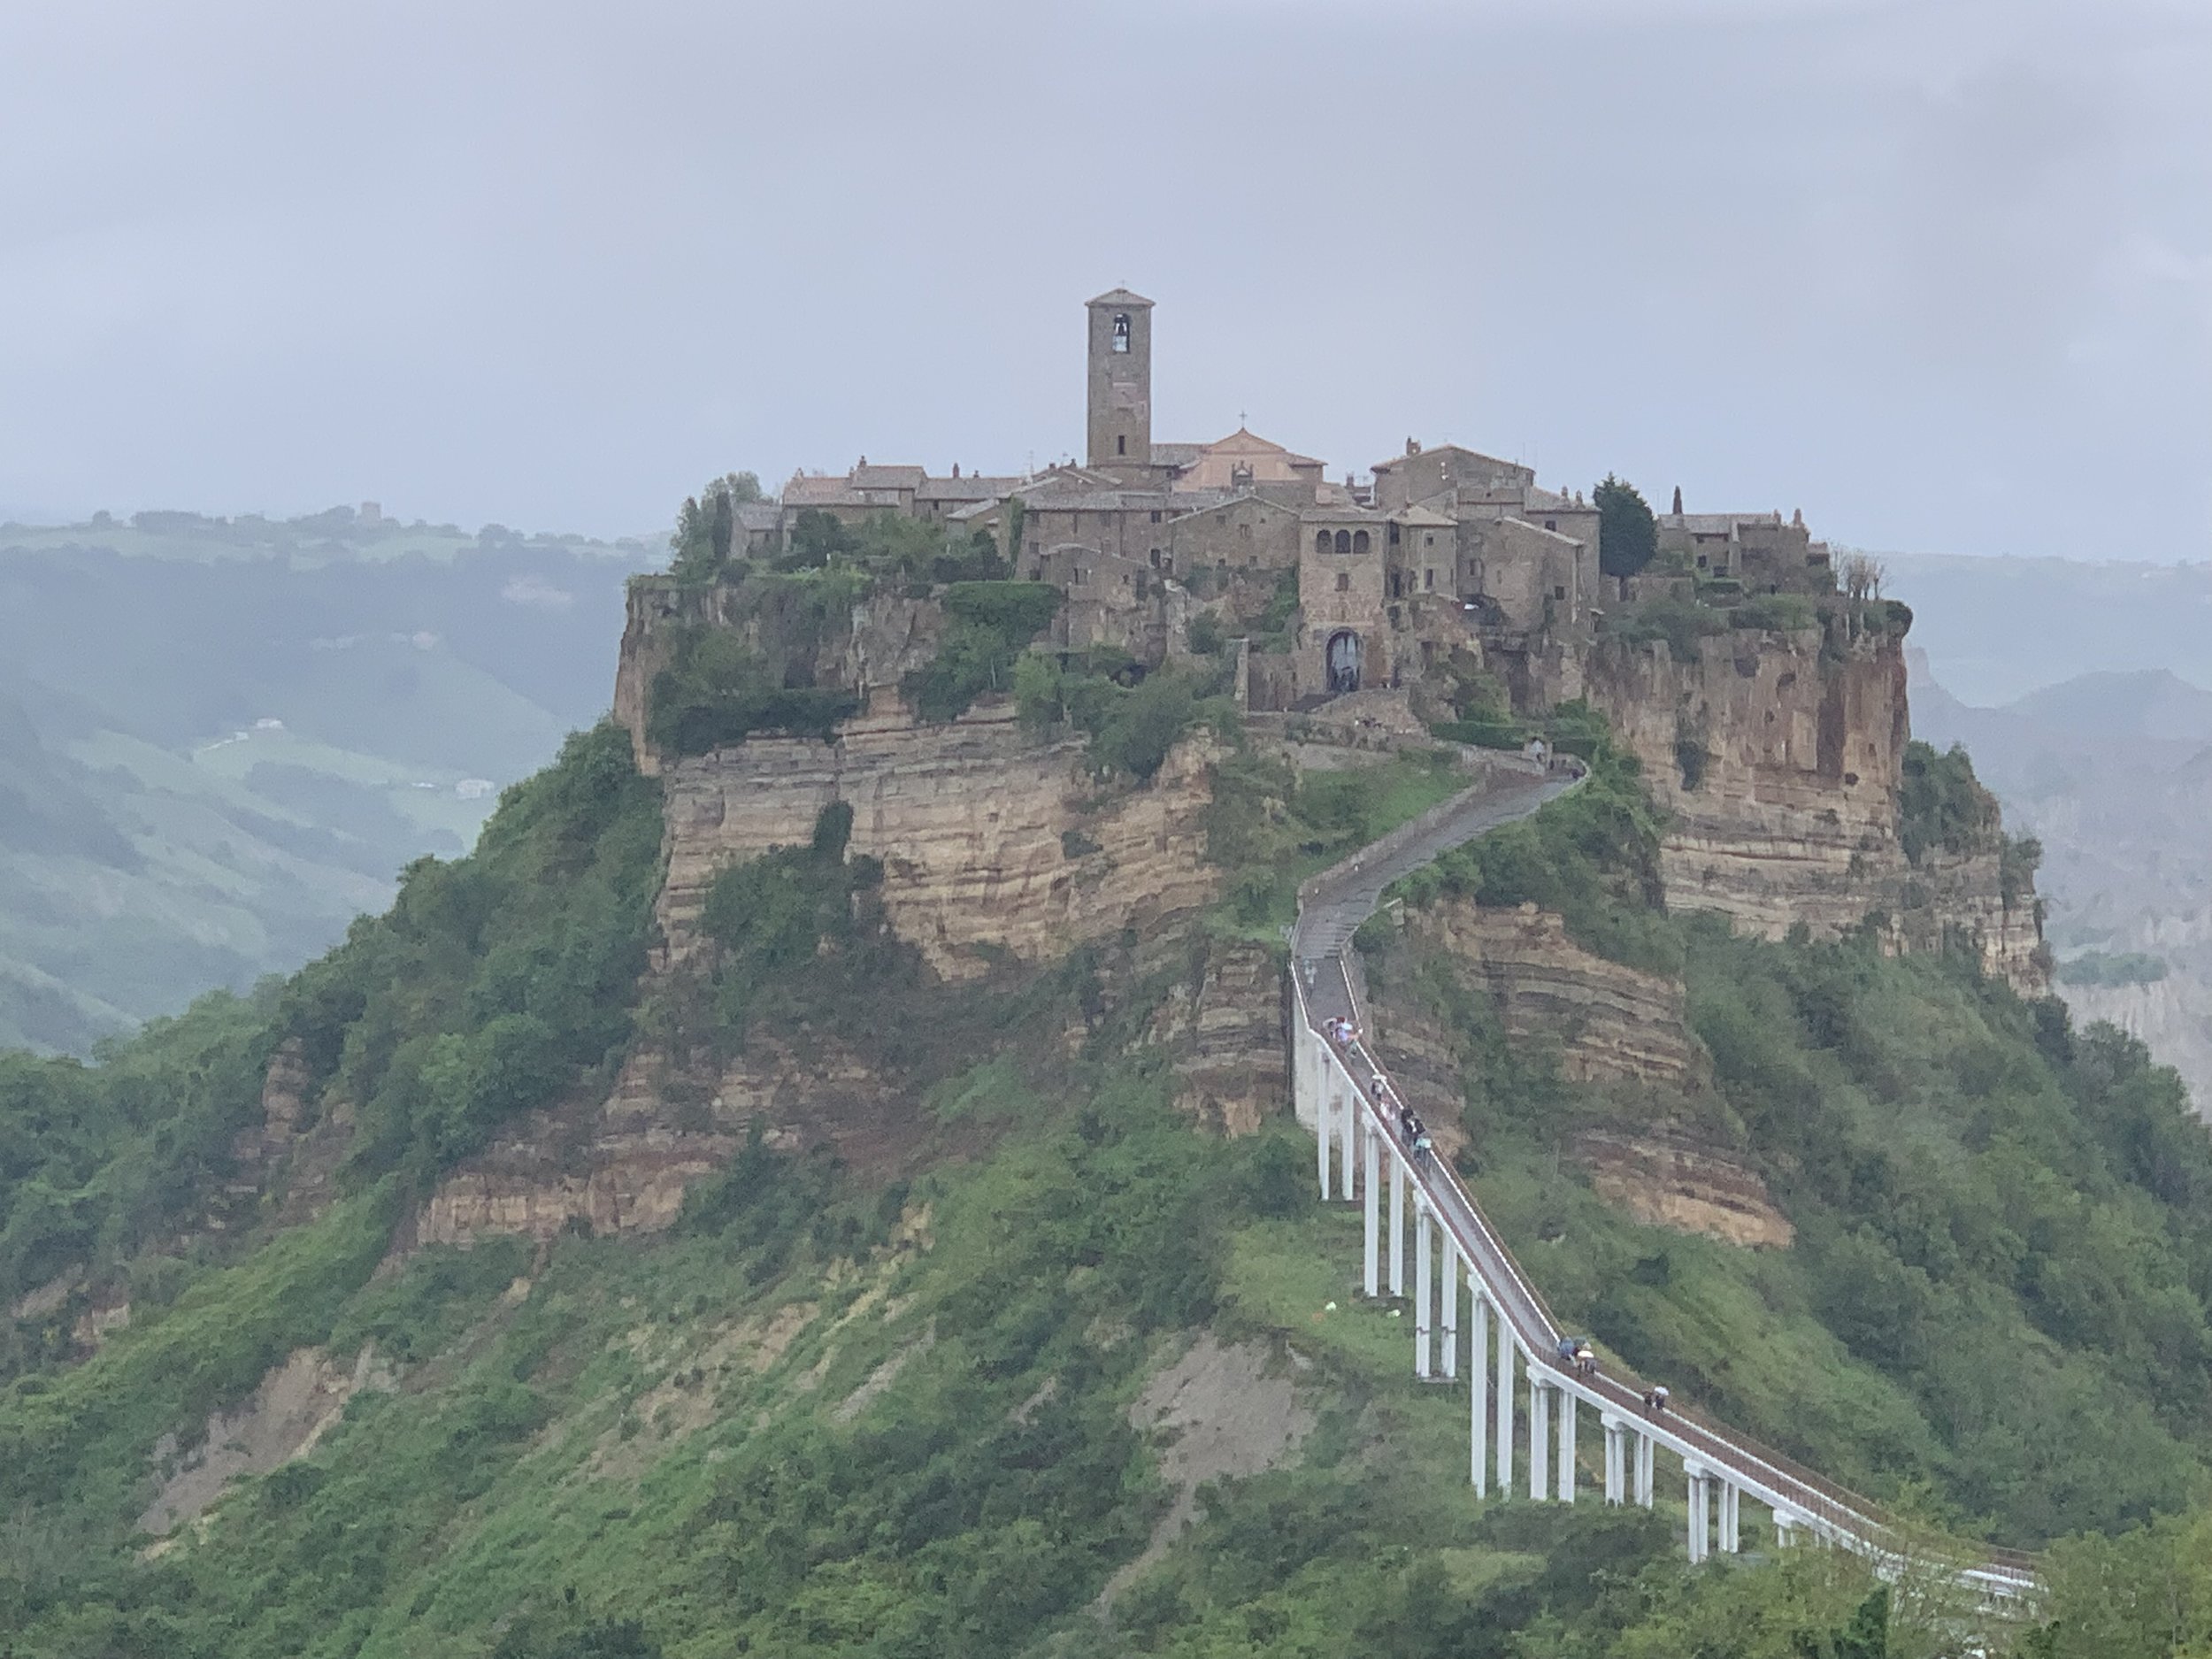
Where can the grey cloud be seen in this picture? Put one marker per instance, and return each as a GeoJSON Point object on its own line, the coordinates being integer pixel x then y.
{"type": "Point", "coordinates": [1903, 265]}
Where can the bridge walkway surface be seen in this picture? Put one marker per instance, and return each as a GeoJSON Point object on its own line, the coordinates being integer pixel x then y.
{"type": "Point", "coordinates": [1344, 1092]}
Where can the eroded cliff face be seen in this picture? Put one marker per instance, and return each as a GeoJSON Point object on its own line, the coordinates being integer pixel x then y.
{"type": "Point", "coordinates": [991, 842]}
{"type": "Point", "coordinates": [1607, 1024]}
{"type": "Point", "coordinates": [1614, 1024]}
{"type": "Point", "coordinates": [993, 846]}
{"type": "Point", "coordinates": [1778, 757]}
{"type": "Point", "coordinates": [1780, 770]}
{"type": "Point", "coordinates": [866, 648]}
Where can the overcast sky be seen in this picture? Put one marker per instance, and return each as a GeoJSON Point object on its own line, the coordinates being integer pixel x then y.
{"type": "Point", "coordinates": [1940, 274]}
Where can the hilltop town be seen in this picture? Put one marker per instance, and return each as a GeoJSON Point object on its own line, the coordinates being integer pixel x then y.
{"type": "Point", "coordinates": [1441, 550]}
{"type": "Point", "coordinates": [1757, 677]}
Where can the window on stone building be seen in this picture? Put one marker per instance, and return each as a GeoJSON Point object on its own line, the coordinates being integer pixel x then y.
{"type": "Point", "coordinates": [1121, 331]}
{"type": "Point", "coordinates": [1244, 533]}
{"type": "Point", "coordinates": [1428, 538]}
{"type": "Point", "coordinates": [1156, 558]}
{"type": "Point", "coordinates": [1321, 541]}
{"type": "Point", "coordinates": [1393, 534]}
{"type": "Point", "coordinates": [1344, 541]}
{"type": "Point", "coordinates": [1702, 561]}
{"type": "Point", "coordinates": [1559, 593]}
{"type": "Point", "coordinates": [1343, 581]}
{"type": "Point", "coordinates": [1155, 515]}
{"type": "Point", "coordinates": [1428, 582]}
{"type": "Point", "coordinates": [1121, 444]}
{"type": "Point", "coordinates": [1360, 542]}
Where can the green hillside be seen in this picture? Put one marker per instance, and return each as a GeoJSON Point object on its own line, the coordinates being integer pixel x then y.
{"type": "Point", "coordinates": [911, 1410]}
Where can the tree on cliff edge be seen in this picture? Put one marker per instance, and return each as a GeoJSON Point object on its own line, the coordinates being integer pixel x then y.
{"type": "Point", "coordinates": [1628, 535]}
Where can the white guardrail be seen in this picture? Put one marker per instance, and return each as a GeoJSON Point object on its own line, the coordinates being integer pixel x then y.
{"type": "Point", "coordinates": [1797, 1497]}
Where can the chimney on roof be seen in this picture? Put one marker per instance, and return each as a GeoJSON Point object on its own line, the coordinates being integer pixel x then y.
{"type": "Point", "coordinates": [1413, 446]}
{"type": "Point", "coordinates": [1677, 501]}
{"type": "Point", "coordinates": [1797, 517]}
{"type": "Point", "coordinates": [956, 469]}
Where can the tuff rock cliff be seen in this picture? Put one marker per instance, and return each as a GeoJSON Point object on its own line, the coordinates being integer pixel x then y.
{"type": "Point", "coordinates": [1779, 757]}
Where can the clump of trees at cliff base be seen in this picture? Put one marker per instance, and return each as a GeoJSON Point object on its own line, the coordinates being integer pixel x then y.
{"type": "Point", "coordinates": [2112, 968]}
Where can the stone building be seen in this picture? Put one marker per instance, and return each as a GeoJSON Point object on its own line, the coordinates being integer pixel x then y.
{"type": "Point", "coordinates": [1448, 554]}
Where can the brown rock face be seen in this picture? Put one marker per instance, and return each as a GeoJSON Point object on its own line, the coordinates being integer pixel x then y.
{"type": "Point", "coordinates": [990, 841]}
{"type": "Point", "coordinates": [1779, 764]}
{"type": "Point", "coordinates": [1233, 1070]}
{"type": "Point", "coordinates": [1614, 1023]}
{"type": "Point", "coordinates": [867, 651]}
{"type": "Point", "coordinates": [1691, 1189]}
{"type": "Point", "coordinates": [1790, 816]}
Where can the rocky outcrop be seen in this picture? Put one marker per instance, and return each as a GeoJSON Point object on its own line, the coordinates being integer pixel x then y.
{"type": "Point", "coordinates": [294, 1407]}
{"type": "Point", "coordinates": [1227, 1027]}
{"type": "Point", "coordinates": [1612, 1022]}
{"type": "Point", "coordinates": [866, 648]}
{"type": "Point", "coordinates": [990, 840]}
{"type": "Point", "coordinates": [1778, 757]}
{"type": "Point", "coordinates": [1667, 1183]}
{"type": "Point", "coordinates": [1778, 764]}
{"type": "Point", "coordinates": [622, 1167]}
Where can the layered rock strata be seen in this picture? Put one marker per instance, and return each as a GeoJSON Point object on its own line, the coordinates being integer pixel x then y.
{"type": "Point", "coordinates": [1613, 1023]}
{"type": "Point", "coordinates": [1778, 757]}
{"type": "Point", "coordinates": [990, 840]}
{"type": "Point", "coordinates": [1675, 1184]}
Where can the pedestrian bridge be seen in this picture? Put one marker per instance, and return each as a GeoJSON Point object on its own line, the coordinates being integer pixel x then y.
{"type": "Point", "coordinates": [1522, 1403]}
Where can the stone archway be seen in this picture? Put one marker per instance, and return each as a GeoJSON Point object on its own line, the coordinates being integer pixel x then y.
{"type": "Point", "coordinates": [1340, 657]}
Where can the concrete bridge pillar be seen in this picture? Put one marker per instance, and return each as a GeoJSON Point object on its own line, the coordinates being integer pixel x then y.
{"type": "Point", "coordinates": [1701, 1509]}
{"type": "Point", "coordinates": [1505, 1405]}
{"type": "Point", "coordinates": [1569, 1413]}
{"type": "Point", "coordinates": [1448, 1282]}
{"type": "Point", "coordinates": [1539, 1435]}
{"type": "Point", "coordinates": [1397, 1220]}
{"type": "Point", "coordinates": [1730, 1532]}
{"type": "Point", "coordinates": [1313, 1099]}
{"type": "Point", "coordinates": [1478, 1389]}
{"type": "Point", "coordinates": [1423, 1291]}
{"type": "Point", "coordinates": [1352, 1117]}
{"type": "Point", "coordinates": [1371, 1200]}
{"type": "Point", "coordinates": [1616, 1458]}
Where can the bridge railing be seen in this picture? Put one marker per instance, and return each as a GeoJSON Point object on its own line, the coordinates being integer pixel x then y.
{"type": "Point", "coordinates": [1849, 1517]}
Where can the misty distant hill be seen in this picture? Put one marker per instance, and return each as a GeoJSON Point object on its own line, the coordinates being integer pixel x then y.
{"type": "Point", "coordinates": [220, 741]}
{"type": "Point", "coordinates": [1995, 629]}
{"type": "Point", "coordinates": [2113, 773]}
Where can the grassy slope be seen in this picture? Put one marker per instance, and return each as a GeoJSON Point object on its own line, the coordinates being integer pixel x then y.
{"type": "Point", "coordinates": [675, 1433]}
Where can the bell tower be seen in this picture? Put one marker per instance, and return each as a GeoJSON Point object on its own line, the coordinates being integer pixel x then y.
{"type": "Point", "coordinates": [1120, 381]}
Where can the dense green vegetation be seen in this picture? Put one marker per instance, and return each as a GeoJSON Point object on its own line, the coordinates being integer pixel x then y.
{"type": "Point", "coordinates": [988, 625]}
{"type": "Point", "coordinates": [889, 1413]}
{"type": "Point", "coordinates": [1942, 806]}
{"type": "Point", "coordinates": [2003, 1246]}
{"type": "Point", "coordinates": [2123, 967]}
{"type": "Point", "coordinates": [1628, 534]}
